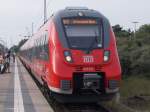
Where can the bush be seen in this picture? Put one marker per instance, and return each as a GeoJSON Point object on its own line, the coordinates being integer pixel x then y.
{"type": "Point", "coordinates": [135, 53]}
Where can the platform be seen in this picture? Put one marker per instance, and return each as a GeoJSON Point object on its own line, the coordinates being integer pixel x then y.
{"type": "Point", "coordinates": [19, 93]}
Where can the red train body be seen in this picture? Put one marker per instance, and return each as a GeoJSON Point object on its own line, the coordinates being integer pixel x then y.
{"type": "Point", "coordinates": [74, 54]}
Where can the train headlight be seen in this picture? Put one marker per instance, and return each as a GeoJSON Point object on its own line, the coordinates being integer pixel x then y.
{"type": "Point", "coordinates": [106, 56]}
{"type": "Point", "coordinates": [68, 57]}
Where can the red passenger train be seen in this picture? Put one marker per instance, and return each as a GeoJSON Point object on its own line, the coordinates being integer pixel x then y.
{"type": "Point", "coordinates": [74, 56]}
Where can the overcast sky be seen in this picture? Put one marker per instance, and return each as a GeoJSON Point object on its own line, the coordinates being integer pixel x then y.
{"type": "Point", "coordinates": [16, 16]}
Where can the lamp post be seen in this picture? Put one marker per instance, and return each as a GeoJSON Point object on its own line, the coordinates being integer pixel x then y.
{"type": "Point", "coordinates": [45, 12]}
{"type": "Point", "coordinates": [135, 25]}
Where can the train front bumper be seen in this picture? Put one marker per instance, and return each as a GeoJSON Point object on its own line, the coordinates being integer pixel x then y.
{"type": "Point", "coordinates": [86, 82]}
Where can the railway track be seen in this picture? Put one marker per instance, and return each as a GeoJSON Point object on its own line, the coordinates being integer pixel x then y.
{"type": "Point", "coordinates": [75, 107]}
{"type": "Point", "coordinates": [84, 108]}
{"type": "Point", "coordinates": [59, 107]}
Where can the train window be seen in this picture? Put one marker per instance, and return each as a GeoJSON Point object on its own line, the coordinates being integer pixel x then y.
{"type": "Point", "coordinates": [43, 53]}
{"type": "Point", "coordinates": [47, 52]}
{"type": "Point", "coordinates": [43, 38]}
{"type": "Point", "coordinates": [82, 30]}
{"type": "Point", "coordinates": [46, 46]}
{"type": "Point", "coordinates": [40, 51]}
{"type": "Point", "coordinates": [83, 34]}
{"type": "Point", "coordinates": [40, 41]}
{"type": "Point", "coordinates": [46, 37]}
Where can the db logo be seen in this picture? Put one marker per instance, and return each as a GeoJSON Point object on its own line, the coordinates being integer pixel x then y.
{"type": "Point", "coordinates": [88, 59]}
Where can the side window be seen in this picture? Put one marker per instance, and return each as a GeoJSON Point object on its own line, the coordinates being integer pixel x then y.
{"type": "Point", "coordinates": [38, 48]}
{"type": "Point", "coordinates": [30, 53]}
{"type": "Point", "coordinates": [46, 45]}
{"type": "Point", "coordinates": [41, 50]}
{"type": "Point", "coordinates": [45, 52]}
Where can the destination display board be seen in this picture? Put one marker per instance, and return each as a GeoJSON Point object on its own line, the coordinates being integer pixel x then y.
{"type": "Point", "coordinates": [79, 21]}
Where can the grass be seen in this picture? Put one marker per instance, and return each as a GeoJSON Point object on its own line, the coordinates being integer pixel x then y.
{"type": "Point", "coordinates": [135, 86]}
{"type": "Point", "coordinates": [132, 90]}
{"type": "Point", "coordinates": [115, 107]}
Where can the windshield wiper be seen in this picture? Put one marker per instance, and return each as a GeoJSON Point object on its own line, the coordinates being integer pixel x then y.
{"type": "Point", "coordinates": [92, 44]}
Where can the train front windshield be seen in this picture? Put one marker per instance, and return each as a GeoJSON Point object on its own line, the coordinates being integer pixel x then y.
{"type": "Point", "coordinates": [83, 33]}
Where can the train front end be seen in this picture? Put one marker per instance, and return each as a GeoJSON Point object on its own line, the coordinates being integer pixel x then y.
{"type": "Point", "coordinates": [84, 60]}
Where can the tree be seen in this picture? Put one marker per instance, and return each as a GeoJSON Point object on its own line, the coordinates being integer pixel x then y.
{"type": "Point", "coordinates": [16, 48]}
{"type": "Point", "coordinates": [120, 32]}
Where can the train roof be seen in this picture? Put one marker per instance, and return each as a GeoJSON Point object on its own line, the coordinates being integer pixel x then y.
{"type": "Point", "coordinates": [78, 12]}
